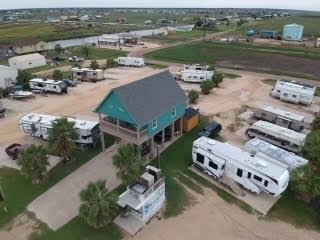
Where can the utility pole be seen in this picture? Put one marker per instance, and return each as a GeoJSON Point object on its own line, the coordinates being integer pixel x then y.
{"type": "Point", "coordinates": [158, 156]}
{"type": "Point", "coordinates": [204, 28]}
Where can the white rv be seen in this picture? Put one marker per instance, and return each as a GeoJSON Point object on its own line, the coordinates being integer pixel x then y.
{"type": "Point", "coordinates": [86, 74]}
{"type": "Point", "coordinates": [54, 86]}
{"type": "Point", "coordinates": [280, 117]}
{"type": "Point", "coordinates": [277, 135]}
{"type": "Point", "coordinates": [130, 61]}
{"type": "Point", "coordinates": [292, 91]}
{"type": "Point", "coordinates": [253, 173]}
{"type": "Point", "coordinates": [293, 161]}
{"type": "Point", "coordinates": [37, 125]}
{"type": "Point", "coordinates": [196, 73]}
{"type": "Point", "coordinates": [143, 199]}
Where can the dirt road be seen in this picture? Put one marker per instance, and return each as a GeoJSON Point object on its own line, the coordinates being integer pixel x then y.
{"type": "Point", "coordinates": [80, 102]}
{"type": "Point", "coordinates": [213, 218]}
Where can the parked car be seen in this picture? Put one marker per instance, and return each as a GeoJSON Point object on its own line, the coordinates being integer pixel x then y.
{"type": "Point", "coordinates": [15, 150]}
{"type": "Point", "coordinates": [211, 130]}
{"type": "Point", "coordinates": [58, 59]}
{"type": "Point", "coordinates": [76, 59]}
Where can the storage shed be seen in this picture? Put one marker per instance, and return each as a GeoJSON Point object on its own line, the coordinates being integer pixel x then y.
{"type": "Point", "coordinates": [293, 32]}
{"type": "Point", "coordinates": [190, 119]}
{"type": "Point", "coordinates": [8, 76]}
{"type": "Point", "coordinates": [268, 34]}
{"type": "Point", "coordinates": [27, 61]}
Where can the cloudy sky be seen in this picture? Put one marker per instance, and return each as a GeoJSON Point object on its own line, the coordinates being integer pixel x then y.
{"type": "Point", "coordinates": [288, 4]}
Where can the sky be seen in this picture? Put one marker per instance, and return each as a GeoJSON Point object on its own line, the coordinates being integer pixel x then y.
{"type": "Point", "coordinates": [284, 4]}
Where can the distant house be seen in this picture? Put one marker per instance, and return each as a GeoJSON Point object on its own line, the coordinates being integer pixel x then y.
{"type": "Point", "coordinates": [163, 22]}
{"type": "Point", "coordinates": [293, 32]}
{"type": "Point", "coordinates": [8, 76]}
{"type": "Point", "coordinates": [145, 111]}
{"type": "Point", "coordinates": [27, 61]}
{"type": "Point", "coordinates": [186, 28]}
{"type": "Point", "coordinates": [121, 20]}
{"type": "Point", "coordinates": [84, 18]}
{"type": "Point", "coordinates": [148, 22]}
{"type": "Point", "coordinates": [30, 46]}
{"type": "Point", "coordinates": [268, 34]}
{"type": "Point", "coordinates": [129, 38]}
{"type": "Point", "coordinates": [109, 40]}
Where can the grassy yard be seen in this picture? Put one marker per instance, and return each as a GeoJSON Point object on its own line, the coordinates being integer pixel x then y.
{"type": "Point", "coordinates": [310, 23]}
{"type": "Point", "coordinates": [19, 191]}
{"type": "Point", "coordinates": [272, 59]}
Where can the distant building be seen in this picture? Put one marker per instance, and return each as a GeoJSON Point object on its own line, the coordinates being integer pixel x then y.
{"type": "Point", "coordinates": [121, 20]}
{"type": "Point", "coordinates": [84, 18]}
{"type": "Point", "coordinates": [186, 28]}
{"type": "Point", "coordinates": [293, 32]}
{"type": "Point", "coordinates": [163, 22]}
{"type": "Point", "coordinates": [30, 46]}
{"type": "Point", "coordinates": [8, 76]}
{"type": "Point", "coordinates": [27, 61]}
{"type": "Point", "coordinates": [268, 34]}
{"type": "Point", "coordinates": [148, 22]}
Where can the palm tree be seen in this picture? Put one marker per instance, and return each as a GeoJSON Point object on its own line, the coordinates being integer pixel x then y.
{"type": "Point", "coordinates": [34, 162]}
{"type": "Point", "coordinates": [62, 137]}
{"type": "Point", "coordinates": [98, 207]}
{"type": "Point", "coordinates": [128, 162]}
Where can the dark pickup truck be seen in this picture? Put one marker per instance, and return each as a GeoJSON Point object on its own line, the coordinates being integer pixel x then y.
{"type": "Point", "coordinates": [211, 130]}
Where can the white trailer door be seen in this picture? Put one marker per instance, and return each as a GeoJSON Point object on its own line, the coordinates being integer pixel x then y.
{"type": "Point", "coordinates": [28, 128]}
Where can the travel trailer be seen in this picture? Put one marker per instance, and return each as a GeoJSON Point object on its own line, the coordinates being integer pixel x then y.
{"type": "Point", "coordinates": [277, 135]}
{"type": "Point", "coordinates": [130, 61]}
{"type": "Point", "coordinates": [281, 118]}
{"type": "Point", "coordinates": [53, 86]}
{"type": "Point", "coordinates": [256, 146]}
{"type": "Point", "coordinates": [196, 73]}
{"type": "Point", "coordinates": [142, 200]}
{"type": "Point", "coordinates": [86, 74]}
{"type": "Point", "coordinates": [37, 125]}
{"type": "Point", "coordinates": [220, 159]}
{"type": "Point", "coordinates": [292, 91]}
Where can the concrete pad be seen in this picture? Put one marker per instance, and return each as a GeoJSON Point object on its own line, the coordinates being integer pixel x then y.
{"type": "Point", "coordinates": [129, 223]}
{"type": "Point", "coordinates": [61, 203]}
{"type": "Point", "coordinates": [262, 203]}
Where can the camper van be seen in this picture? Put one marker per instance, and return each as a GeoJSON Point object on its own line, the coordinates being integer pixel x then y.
{"type": "Point", "coordinates": [281, 118]}
{"type": "Point", "coordinates": [253, 173]}
{"type": "Point", "coordinates": [37, 125]}
{"type": "Point", "coordinates": [256, 146]}
{"type": "Point", "coordinates": [86, 74]}
{"type": "Point", "coordinates": [292, 91]}
{"type": "Point", "coordinates": [277, 135]}
{"type": "Point", "coordinates": [196, 73]}
{"type": "Point", "coordinates": [131, 61]}
{"type": "Point", "coordinates": [48, 85]}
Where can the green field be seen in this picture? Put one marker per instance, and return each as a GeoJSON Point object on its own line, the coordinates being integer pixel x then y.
{"type": "Point", "coordinates": [302, 62]}
{"type": "Point", "coordinates": [11, 33]}
{"type": "Point", "coordinates": [311, 25]}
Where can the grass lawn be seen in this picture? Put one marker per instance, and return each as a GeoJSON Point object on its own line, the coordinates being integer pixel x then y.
{"type": "Point", "coordinates": [19, 191]}
{"type": "Point", "coordinates": [96, 53]}
{"type": "Point", "coordinates": [272, 59]}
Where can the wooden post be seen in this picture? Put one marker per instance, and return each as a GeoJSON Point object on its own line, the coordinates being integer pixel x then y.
{"type": "Point", "coordinates": [163, 137]}
{"type": "Point", "coordinates": [181, 124]}
{"type": "Point", "coordinates": [138, 135]}
{"type": "Point", "coordinates": [102, 140]}
{"type": "Point", "coordinates": [172, 130]}
{"type": "Point", "coordinates": [117, 125]}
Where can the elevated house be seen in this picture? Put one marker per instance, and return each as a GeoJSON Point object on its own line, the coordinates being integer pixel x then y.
{"type": "Point", "coordinates": [144, 112]}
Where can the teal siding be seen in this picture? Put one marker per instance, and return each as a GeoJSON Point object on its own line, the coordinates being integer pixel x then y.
{"type": "Point", "coordinates": [166, 119]}
{"type": "Point", "coordinates": [113, 107]}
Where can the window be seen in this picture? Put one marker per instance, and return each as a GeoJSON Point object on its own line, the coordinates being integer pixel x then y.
{"type": "Point", "coordinates": [200, 158]}
{"type": "Point", "coordinates": [257, 178]}
{"type": "Point", "coordinates": [294, 96]}
{"type": "Point", "coordinates": [266, 183]}
{"type": "Point", "coordinates": [249, 174]}
{"type": "Point", "coordinates": [201, 78]}
{"type": "Point", "coordinates": [222, 167]}
{"type": "Point", "coordinates": [239, 172]}
{"type": "Point", "coordinates": [173, 112]}
{"type": "Point", "coordinates": [285, 94]}
{"type": "Point", "coordinates": [213, 165]}
{"type": "Point", "coordinates": [278, 91]}
{"type": "Point", "coordinates": [154, 123]}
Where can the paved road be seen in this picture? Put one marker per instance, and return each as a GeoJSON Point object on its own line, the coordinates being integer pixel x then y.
{"type": "Point", "coordinates": [60, 204]}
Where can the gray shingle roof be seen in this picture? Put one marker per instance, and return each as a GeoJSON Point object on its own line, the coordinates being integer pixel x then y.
{"type": "Point", "coordinates": [151, 97]}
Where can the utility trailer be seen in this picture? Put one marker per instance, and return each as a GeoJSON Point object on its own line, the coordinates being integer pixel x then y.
{"type": "Point", "coordinates": [48, 85]}
{"type": "Point", "coordinates": [130, 61]}
{"type": "Point", "coordinates": [293, 161]}
{"type": "Point", "coordinates": [292, 91]}
{"type": "Point", "coordinates": [196, 73]}
{"type": "Point", "coordinates": [37, 125]}
{"type": "Point", "coordinates": [86, 74]}
{"type": "Point", "coordinates": [280, 136]}
{"type": "Point", "coordinates": [281, 118]}
{"type": "Point", "coordinates": [219, 159]}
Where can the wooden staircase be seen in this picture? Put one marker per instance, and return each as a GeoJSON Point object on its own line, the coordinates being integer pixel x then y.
{"type": "Point", "coordinates": [232, 185]}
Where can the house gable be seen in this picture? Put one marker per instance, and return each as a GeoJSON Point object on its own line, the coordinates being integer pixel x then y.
{"type": "Point", "coordinates": [112, 106]}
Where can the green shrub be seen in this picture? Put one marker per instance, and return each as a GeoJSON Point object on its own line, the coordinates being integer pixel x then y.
{"type": "Point", "coordinates": [193, 96]}
{"type": "Point", "coordinates": [206, 86]}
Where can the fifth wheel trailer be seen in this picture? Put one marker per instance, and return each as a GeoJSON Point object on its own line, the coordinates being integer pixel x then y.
{"type": "Point", "coordinates": [130, 61]}
{"type": "Point", "coordinates": [37, 125]}
{"type": "Point", "coordinates": [280, 136]}
{"type": "Point", "coordinates": [292, 91]}
{"type": "Point", "coordinates": [253, 173]}
{"type": "Point", "coordinates": [48, 85]}
{"type": "Point", "coordinates": [196, 73]}
{"type": "Point", "coordinates": [293, 161]}
{"type": "Point", "coordinates": [280, 117]}
{"type": "Point", "coordinates": [86, 74]}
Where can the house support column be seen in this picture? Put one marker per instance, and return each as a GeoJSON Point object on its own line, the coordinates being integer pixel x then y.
{"type": "Point", "coordinates": [181, 125]}
{"type": "Point", "coordinates": [172, 130]}
{"type": "Point", "coordinates": [152, 146]}
{"type": "Point", "coordinates": [163, 139]}
{"type": "Point", "coordinates": [102, 135]}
